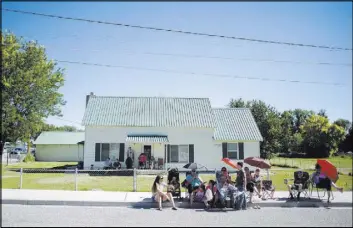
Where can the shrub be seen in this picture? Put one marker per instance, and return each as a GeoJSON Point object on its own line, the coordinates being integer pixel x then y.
{"type": "Point", "coordinates": [29, 158]}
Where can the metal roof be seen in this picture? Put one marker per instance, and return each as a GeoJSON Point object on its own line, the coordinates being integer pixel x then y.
{"type": "Point", "coordinates": [59, 137]}
{"type": "Point", "coordinates": [235, 124]}
{"type": "Point", "coordinates": [149, 112]}
{"type": "Point", "coordinates": [147, 138]}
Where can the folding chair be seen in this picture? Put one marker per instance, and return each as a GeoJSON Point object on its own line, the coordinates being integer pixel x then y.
{"type": "Point", "coordinates": [313, 185]}
{"type": "Point", "coordinates": [267, 189]}
{"type": "Point", "coordinates": [301, 184]}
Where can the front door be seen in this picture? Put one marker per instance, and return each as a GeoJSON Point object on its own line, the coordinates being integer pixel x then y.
{"type": "Point", "coordinates": [147, 149]}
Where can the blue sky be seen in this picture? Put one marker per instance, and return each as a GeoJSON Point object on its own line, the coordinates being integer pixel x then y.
{"type": "Point", "coordinates": [309, 23]}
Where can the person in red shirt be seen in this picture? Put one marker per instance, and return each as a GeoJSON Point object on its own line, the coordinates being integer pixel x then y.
{"type": "Point", "coordinates": [142, 160]}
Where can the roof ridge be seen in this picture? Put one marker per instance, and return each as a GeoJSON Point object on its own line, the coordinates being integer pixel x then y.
{"type": "Point", "coordinates": [229, 108]}
{"type": "Point", "coordinates": [95, 96]}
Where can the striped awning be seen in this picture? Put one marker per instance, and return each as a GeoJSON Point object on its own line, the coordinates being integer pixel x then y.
{"type": "Point", "coordinates": [147, 139]}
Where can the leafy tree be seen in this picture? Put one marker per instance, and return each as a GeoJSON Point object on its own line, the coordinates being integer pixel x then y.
{"type": "Point", "coordinates": [30, 86]}
{"type": "Point", "coordinates": [345, 124]}
{"type": "Point", "coordinates": [322, 112]}
{"type": "Point", "coordinates": [320, 137]}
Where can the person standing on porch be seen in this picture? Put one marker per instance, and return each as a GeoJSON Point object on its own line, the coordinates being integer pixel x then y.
{"type": "Point", "coordinates": [130, 153]}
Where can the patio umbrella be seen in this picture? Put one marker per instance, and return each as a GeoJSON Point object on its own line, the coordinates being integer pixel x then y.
{"type": "Point", "coordinates": [257, 162]}
{"type": "Point", "coordinates": [192, 165]}
{"type": "Point", "coordinates": [328, 169]}
{"type": "Point", "coordinates": [230, 163]}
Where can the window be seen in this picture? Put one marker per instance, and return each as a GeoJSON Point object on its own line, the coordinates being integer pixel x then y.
{"type": "Point", "coordinates": [179, 153]}
{"type": "Point", "coordinates": [232, 150]}
{"type": "Point", "coordinates": [102, 151]}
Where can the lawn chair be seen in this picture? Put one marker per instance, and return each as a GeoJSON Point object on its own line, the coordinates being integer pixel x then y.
{"type": "Point", "coordinates": [304, 181]}
{"type": "Point", "coordinates": [267, 189]}
{"type": "Point", "coordinates": [313, 186]}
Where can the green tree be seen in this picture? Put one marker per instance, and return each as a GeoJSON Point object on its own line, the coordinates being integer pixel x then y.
{"type": "Point", "coordinates": [320, 137]}
{"type": "Point", "coordinates": [267, 119]}
{"type": "Point", "coordinates": [345, 124]}
{"type": "Point", "coordinates": [30, 86]}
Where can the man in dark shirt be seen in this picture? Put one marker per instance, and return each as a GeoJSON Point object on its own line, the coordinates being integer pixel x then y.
{"type": "Point", "coordinates": [240, 183]}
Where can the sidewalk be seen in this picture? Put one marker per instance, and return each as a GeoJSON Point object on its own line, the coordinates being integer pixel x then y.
{"type": "Point", "coordinates": [143, 199]}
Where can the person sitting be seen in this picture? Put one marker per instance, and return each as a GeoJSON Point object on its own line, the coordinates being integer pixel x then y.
{"type": "Point", "coordinates": [158, 195]}
{"type": "Point", "coordinates": [210, 194]}
{"type": "Point", "coordinates": [298, 185]}
{"type": "Point", "coordinates": [322, 181]}
{"type": "Point", "coordinates": [250, 184]}
{"type": "Point", "coordinates": [224, 189]}
{"type": "Point", "coordinates": [107, 164]}
{"type": "Point", "coordinates": [142, 161]}
{"type": "Point", "coordinates": [226, 174]}
{"type": "Point", "coordinates": [193, 183]}
{"type": "Point", "coordinates": [257, 182]}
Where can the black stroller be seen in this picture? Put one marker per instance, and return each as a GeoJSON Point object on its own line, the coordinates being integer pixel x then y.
{"type": "Point", "coordinates": [174, 180]}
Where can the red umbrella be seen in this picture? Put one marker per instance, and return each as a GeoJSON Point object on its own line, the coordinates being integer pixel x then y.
{"type": "Point", "coordinates": [328, 169]}
{"type": "Point", "coordinates": [230, 163]}
{"type": "Point", "coordinates": [257, 162]}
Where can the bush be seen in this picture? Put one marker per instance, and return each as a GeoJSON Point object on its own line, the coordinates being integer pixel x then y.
{"type": "Point", "coordinates": [29, 158]}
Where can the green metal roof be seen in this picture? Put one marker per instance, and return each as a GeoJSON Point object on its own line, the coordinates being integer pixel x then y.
{"type": "Point", "coordinates": [149, 112]}
{"type": "Point", "coordinates": [60, 137]}
{"type": "Point", "coordinates": [236, 124]}
{"type": "Point", "coordinates": [147, 138]}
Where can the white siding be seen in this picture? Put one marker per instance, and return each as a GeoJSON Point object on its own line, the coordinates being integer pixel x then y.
{"type": "Point", "coordinates": [207, 152]}
{"type": "Point", "coordinates": [59, 153]}
{"type": "Point", "coordinates": [201, 138]}
{"type": "Point", "coordinates": [251, 149]}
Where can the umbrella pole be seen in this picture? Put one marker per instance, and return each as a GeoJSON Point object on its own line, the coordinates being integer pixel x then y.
{"type": "Point", "coordinates": [268, 174]}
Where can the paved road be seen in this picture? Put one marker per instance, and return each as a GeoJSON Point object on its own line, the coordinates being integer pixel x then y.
{"type": "Point", "coordinates": [20, 215]}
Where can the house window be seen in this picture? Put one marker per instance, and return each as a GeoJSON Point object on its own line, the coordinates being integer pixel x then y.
{"type": "Point", "coordinates": [102, 151]}
{"type": "Point", "coordinates": [232, 150]}
{"type": "Point", "coordinates": [179, 153]}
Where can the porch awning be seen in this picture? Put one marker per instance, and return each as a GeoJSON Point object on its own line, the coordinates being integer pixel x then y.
{"type": "Point", "coordinates": [147, 138]}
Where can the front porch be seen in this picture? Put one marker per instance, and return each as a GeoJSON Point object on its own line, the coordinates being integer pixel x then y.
{"type": "Point", "coordinates": [152, 145]}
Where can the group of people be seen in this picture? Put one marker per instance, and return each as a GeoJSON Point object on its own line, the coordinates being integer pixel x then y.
{"type": "Point", "coordinates": [214, 191]}
{"type": "Point", "coordinates": [142, 159]}
{"type": "Point", "coordinates": [318, 178]}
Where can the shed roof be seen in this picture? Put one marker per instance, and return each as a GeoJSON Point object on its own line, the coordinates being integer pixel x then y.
{"type": "Point", "coordinates": [59, 137]}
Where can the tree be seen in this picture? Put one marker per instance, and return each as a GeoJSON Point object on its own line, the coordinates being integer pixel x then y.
{"type": "Point", "coordinates": [322, 113]}
{"type": "Point", "coordinates": [320, 137]}
{"type": "Point", "coordinates": [50, 127]}
{"type": "Point", "coordinates": [345, 124]}
{"type": "Point", "coordinates": [30, 86]}
{"type": "Point", "coordinates": [267, 119]}
{"type": "Point", "coordinates": [299, 117]}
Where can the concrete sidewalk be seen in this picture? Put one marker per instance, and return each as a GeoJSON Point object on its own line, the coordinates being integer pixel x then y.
{"type": "Point", "coordinates": [143, 199]}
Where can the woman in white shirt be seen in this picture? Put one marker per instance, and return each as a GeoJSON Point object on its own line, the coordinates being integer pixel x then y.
{"type": "Point", "coordinates": [159, 195]}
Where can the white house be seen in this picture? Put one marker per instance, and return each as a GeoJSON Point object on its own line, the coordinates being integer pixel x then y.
{"type": "Point", "coordinates": [54, 146]}
{"type": "Point", "coordinates": [175, 130]}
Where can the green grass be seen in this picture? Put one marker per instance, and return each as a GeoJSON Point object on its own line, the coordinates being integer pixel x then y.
{"type": "Point", "coordinates": [51, 181]}
{"type": "Point", "coordinates": [66, 181]}
{"type": "Point", "coordinates": [309, 163]}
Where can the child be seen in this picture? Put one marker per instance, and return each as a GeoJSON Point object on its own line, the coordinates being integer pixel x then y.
{"type": "Point", "coordinates": [209, 194]}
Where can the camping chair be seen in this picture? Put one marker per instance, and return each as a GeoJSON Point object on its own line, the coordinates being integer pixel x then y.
{"type": "Point", "coordinates": [313, 185]}
{"type": "Point", "coordinates": [304, 181]}
{"type": "Point", "coordinates": [267, 189]}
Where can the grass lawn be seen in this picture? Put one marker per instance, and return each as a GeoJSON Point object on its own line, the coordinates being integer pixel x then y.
{"type": "Point", "coordinates": [54, 181]}
{"type": "Point", "coordinates": [309, 163]}
{"type": "Point", "coordinates": [66, 181]}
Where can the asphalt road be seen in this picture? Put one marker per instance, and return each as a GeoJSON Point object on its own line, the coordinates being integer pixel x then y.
{"type": "Point", "coordinates": [22, 215]}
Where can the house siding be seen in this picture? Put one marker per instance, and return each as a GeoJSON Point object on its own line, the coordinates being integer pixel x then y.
{"type": "Point", "coordinates": [201, 138]}
{"type": "Point", "coordinates": [59, 153]}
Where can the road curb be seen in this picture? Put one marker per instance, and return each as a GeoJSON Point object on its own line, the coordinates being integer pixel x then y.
{"type": "Point", "coordinates": [178, 204]}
